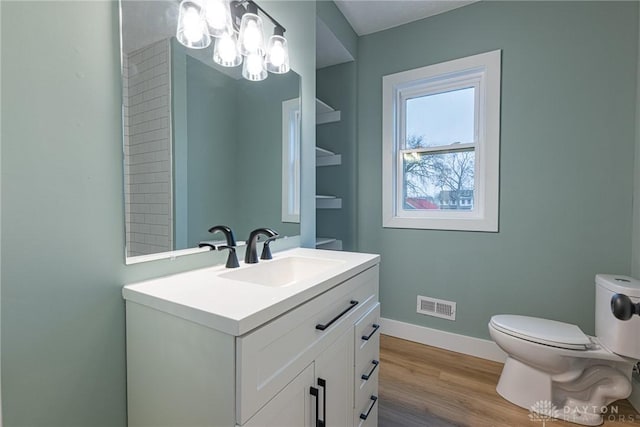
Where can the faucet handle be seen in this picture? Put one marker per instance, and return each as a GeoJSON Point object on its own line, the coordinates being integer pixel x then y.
{"type": "Point", "coordinates": [205, 245]}
{"type": "Point", "coordinates": [228, 233]}
{"type": "Point", "coordinates": [251, 255]}
{"type": "Point", "coordinates": [232, 259]}
{"type": "Point", "coordinates": [266, 251]}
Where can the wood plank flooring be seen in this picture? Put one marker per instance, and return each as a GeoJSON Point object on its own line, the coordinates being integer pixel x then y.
{"type": "Point", "coordinates": [427, 386]}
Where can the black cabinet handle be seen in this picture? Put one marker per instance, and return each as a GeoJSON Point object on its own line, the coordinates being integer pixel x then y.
{"type": "Point", "coordinates": [322, 327]}
{"type": "Point", "coordinates": [314, 393]}
{"type": "Point", "coordinates": [375, 328]}
{"type": "Point", "coordinates": [375, 365]}
{"type": "Point", "coordinates": [323, 383]}
{"type": "Point", "coordinates": [364, 415]}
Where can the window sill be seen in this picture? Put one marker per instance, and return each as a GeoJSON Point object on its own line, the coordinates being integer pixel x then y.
{"type": "Point", "coordinates": [470, 224]}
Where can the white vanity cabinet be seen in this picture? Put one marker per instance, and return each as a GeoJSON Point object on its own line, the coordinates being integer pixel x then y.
{"type": "Point", "coordinates": [321, 392]}
{"type": "Point", "coordinates": [304, 367]}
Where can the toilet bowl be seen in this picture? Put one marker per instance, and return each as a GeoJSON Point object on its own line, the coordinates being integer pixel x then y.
{"type": "Point", "coordinates": [553, 369]}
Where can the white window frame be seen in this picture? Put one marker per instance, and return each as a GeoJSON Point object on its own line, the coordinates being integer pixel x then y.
{"type": "Point", "coordinates": [480, 71]}
{"type": "Point", "coordinates": [291, 160]}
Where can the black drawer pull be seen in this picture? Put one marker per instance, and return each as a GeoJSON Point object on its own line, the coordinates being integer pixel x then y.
{"type": "Point", "coordinates": [375, 365]}
{"type": "Point", "coordinates": [314, 392]}
{"type": "Point", "coordinates": [322, 327]}
{"type": "Point", "coordinates": [375, 328]}
{"type": "Point", "coordinates": [363, 416]}
{"type": "Point", "coordinates": [323, 383]}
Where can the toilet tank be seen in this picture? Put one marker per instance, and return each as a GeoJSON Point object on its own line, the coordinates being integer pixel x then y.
{"type": "Point", "coordinates": [620, 336]}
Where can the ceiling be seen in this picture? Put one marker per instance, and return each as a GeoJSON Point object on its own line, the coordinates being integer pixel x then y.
{"type": "Point", "coordinates": [370, 16]}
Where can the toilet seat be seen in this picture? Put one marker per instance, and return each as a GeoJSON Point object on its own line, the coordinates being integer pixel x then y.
{"type": "Point", "coordinates": [542, 331]}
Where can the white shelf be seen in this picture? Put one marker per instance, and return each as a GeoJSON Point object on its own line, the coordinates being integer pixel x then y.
{"type": "Point", "coordinates": [328, 202]}
{"type": "Point", "coordinates": [327, 158]}
{"type": "Point", "coordinates": [323, 107]}
{"type": "Point", "coordinates": [326, 113]}
{"type": "Point", "coordinates": [329, 243]}
{"type": "Point", "coordinates": [322, 152]}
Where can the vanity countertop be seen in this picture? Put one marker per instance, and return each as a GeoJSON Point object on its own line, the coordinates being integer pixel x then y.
{"type": "Point", "coordinates": [236, 307]}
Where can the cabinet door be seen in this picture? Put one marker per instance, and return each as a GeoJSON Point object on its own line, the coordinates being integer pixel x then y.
{"type": "Point", "coordinates": [334, 380]}
{"type": "Point", "coordinates": [291, 407]}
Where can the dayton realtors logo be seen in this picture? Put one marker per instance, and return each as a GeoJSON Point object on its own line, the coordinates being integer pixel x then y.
{"type": "Point", "coordinates": [542, 411]}
{"type": "Point", "coordinates": [545, 411]}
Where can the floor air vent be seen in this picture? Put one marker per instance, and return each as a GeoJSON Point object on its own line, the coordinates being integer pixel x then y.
{"type": "Point", "coordinates": [437, 307]}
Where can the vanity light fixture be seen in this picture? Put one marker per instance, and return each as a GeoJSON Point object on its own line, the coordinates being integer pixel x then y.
{"type": "Point", "coordinates": [251, 32]}
{"type": "Point", "coordinates": [278, 52]}
{"type": "Point", "coordinates": [192, 31]}
{"type": "Point", "coordinates": [237, 30]}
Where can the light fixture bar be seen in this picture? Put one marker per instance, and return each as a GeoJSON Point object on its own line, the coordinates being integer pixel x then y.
{"type": "Point", "coordinates": [265, 13]}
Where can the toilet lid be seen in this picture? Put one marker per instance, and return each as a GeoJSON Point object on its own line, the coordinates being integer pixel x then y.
{"type": "Point", "coordinates": [542, 331]}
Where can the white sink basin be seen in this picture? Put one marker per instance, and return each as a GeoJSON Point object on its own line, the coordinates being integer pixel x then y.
{"type": "Point", "coordinates": [282, 272]}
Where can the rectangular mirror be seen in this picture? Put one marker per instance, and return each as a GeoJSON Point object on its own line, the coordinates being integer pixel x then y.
{"type": "Point", "coordinates": [202, 146]}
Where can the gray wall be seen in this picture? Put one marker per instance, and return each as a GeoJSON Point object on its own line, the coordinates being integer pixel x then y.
{"type": "Point", "coordinates": [567, 148]}
{"type": "Point", "coordinates": [62, 266]}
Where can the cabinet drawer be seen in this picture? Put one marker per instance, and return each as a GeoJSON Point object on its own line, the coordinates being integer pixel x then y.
{"type": "Point", "coordinates": [363, 389]}
{"type": "Point", "coordinates": [367, 356]}
{"type": "Point", "coordinates": [369, 410]}
{"type": "Point", "coordinates": [272, 355]}
{"type": "Point", "coordinates": [367, 338]}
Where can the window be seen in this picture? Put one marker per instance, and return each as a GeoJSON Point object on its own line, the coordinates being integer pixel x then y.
{"type": "Point", "coordinates": [441, 142]}
{"type": "Point", "coordinates": [291, 160]}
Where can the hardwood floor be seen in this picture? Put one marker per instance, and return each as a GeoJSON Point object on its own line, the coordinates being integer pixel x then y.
{"type": "Point", "coordinates": [427, 386]}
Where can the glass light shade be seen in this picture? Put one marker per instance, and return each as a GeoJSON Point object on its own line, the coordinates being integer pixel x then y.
{"type": "Point", "coordinates": [192, 28]}
{"type": "Point", "coordinates": [225, 51]}
{"type": "Point", "coordinates": [218, 16]}
{"type": "Point", "coordinates": [251, 35]}
{"type": "Point", "coordinates": [278, 55]}
{"type": "Point", "coordinates": [253, 68]}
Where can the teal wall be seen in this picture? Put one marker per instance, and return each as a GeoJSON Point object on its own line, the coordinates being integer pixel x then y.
{"type": "Point", "coordinates": [211, 158]}
{"type": "Point", "coordinates": [635, 249]}
{"type": "Point", "coordinates": [259, 154]}
{"type": "Point", "coordinates": [336, 85]}
{"type": "Point", "coordinates": [566, 176]}
{"type": "Point", "coordinates": [62, 225]}
{"type": "Point", "coordinates": [62, 266]}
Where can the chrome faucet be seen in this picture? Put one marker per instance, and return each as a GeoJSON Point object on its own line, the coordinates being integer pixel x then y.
{"type": "Point", "coordinates": [232, 259]}
{"type": "Point", "coordinates": [251, 254]}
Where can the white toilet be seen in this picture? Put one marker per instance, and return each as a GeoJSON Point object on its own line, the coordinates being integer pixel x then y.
{"type": "Point", "coordinates": [554, 370]}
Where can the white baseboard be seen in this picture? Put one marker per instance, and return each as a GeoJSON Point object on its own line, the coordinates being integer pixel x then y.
{"type": "Point", "coordinates": [472, 346]}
